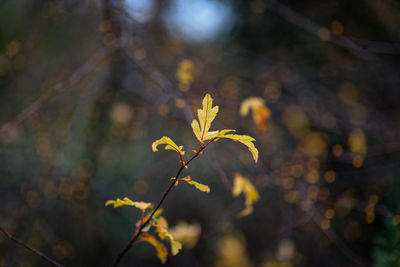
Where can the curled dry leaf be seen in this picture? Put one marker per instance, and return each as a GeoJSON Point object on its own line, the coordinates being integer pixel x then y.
{"type": "Point", "coordinates": [169, 145]}
{"type": "Point", "coordinates": [261, 113]}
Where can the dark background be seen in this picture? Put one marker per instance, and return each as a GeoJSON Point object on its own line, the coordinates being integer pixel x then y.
{"type": "Point", "coordinates": [87, 86]}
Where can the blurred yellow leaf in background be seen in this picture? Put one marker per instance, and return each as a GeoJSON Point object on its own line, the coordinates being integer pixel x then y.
{"type": "Point", "coordinates": [187, 234]}
{"type": "Point", "coordinates": [358, 147]}
{"type": "Point", "coordinates": [184, 74]}
{"type": "Point", "coordinates": [161, 226]}
{"type": "Point", "coordinates": [261, 113]}
{"type": "Point", "coordinates": [242, 185]}
{"type": "Point", "coordinates": [231, 252]}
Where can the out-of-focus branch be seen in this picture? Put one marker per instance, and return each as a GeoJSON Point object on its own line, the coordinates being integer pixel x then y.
{"type": "Point", "coordinates": [222, 174]}
{"type": "Point", "coordinates": [311, 26]}
{"type": "Point", "coordinates": [25, 245]}
{"type": "Point", "coordinates": [162, 81]}
{"type": "Point", "coordinates": [334, 238]}
{"type": "Point", "coordinates": [296, 224]}
{"type": "Point", "coordinates": [60, 87]}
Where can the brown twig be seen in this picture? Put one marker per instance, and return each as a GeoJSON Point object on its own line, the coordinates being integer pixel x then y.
{"type": "Point", "coordinates": [25, 245]}
{"type": "Point", "coordinates": [139, 230]}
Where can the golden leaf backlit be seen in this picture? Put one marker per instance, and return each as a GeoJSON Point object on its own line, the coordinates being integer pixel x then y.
{"type": "Point", "coordinates": [169, 145]}
{"type": "Point", "coordinates": [206, 115]}
{"type": "Point", "coordinates": [199, 186]}
{"type": "Point", "coordinates": [127, 202]}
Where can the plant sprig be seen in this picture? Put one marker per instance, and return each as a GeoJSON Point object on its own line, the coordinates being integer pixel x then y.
{"type": "Point", "coordinates": [201, 129]}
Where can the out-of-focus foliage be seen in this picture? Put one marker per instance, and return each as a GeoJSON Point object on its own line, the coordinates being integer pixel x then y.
{"type": "Point", "coordinates": [386, 252]}
{"type": "Point", "coordinates": [187, 234]}
{"type": "Point", "coordinates": [185, 74]}
{"type": "Point", "coordinates": [161, 226]}
{"type": "Point", "coordinates": [232, 252]}
{"type": "Point", "coordinates": [261, 113]}
{"type": "Point", "coordinates": [87, 86]}
{"type": "Point", "coordinates": [242, 185]}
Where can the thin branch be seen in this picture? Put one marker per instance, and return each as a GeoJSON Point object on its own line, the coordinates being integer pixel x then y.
{"type": "Point", "coordinates": [22, 243]}
{"type": "Point", "coordinates": [139, 231]}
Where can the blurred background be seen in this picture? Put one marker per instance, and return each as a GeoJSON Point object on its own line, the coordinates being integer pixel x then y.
{"type": "Point", "coordinates": [87, 86]}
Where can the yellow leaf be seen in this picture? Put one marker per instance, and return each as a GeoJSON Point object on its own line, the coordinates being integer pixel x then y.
{"type": "Point", "coordinates": [175, 247]}
{"type": "Point", "coordinates": [221, 133]}
{"type": "Point", "coordinates": [161, 226]}
{"type": "Point", "coordinates": [247, 211]}
{"type": "Point", "coordinates": [162, 222]}
{"type": "Point", "coordinates": [261, 113]}
{"type": "Point", "coordinates": [250, 103]}
{"type": "Point", "coordinates": [244, 139]}
{"type": "Point", "coordinates": [127, 202]}
{"type": "Point", "coordinates": [201, 187]}
{"type": "Point", "coordinates": [158, 212]}
{"type": "Point", "coordinates": [205, 117]}
{"type": "Point", "coordinates": [160, 248]}
{"type": "Point", "coordinates": [242, 185]}
{"type": "Point", "coordinates": [145, 218]}
{"type": "Point", "coordinates": [170, 145]}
